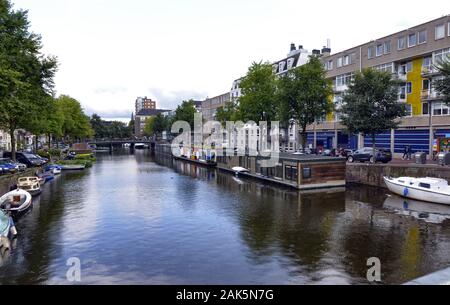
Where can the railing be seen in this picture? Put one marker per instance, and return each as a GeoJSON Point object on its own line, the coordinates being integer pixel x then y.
{"type": "Point", "coordinates": [430, 94]}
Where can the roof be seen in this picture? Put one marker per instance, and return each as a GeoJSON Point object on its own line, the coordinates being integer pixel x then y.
{"type": "Point", "coordinates": [150, 112]}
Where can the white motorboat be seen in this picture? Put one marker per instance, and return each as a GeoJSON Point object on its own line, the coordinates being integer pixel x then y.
{"type": "Point", "coordinates": [425, 189]}
{"type": "Point", "coordinates": [29, 184]}
{"type": "Point", "coordinates": [238, 170]}
{"type": "Point", "coordinates": [73, 167]}
{"type": "Point", "coordinates": [427, 211]}
{"type": "Point", "coordinates": [16, 202]}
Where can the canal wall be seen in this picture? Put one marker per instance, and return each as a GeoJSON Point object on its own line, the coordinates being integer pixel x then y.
{"type": "Point", "coordinates": [372, 174]}
{"type": "Point", "coordinates": [7, 180]}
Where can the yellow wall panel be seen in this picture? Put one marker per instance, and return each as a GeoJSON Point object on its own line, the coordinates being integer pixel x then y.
{"type": "Point", "coordinates": [415, 77]}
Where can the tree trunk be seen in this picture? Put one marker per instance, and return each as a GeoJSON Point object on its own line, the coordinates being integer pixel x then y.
{"type": "Point", "coordinates": [373, 149]}
{"type": "Point", "coordinates": [13, 144]}
{"type": "Point", "coordinates": [36, 144]}
{"type": "Point", "coordinates": [304, 139]}
{"type": "Point", "coordinates": [49, 141]}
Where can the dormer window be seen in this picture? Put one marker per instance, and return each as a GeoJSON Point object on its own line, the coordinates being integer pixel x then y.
{"type": "Point", "coordinates": [290, 63]}
{"type": "Point", "coordinates": [274, 69]}
{"type": "Point", "coordinates": [282, 65]}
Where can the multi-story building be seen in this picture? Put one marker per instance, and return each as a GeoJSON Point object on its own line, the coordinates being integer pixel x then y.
{"type": "Point", "coordinates": [411, 56]}
{"type": "Point", "coordinates": [141, 118]}
{"type": "Point", "coordinates": [210, 105]}
{"type": "Point", "coordinates": [5, 141]}
{"type": "Point", "coordinates": [295, 58]}
{"type": "Point", "coordinates": [144, 103]}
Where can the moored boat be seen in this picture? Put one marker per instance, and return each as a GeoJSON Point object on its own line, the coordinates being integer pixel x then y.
{"type": "Point", "coordinates": [238, 170]}
{"type": "Point", "coordinates": [424, 189]}
{"type": "Point", "coordinates": [53, 168]}
{"type": "Point", "coordinates": [16, 202]}
{"type": "Point", "coordinates": [197, 161]}
{"type": "Point", "coordinates": [29, 184]}
{"type": "Point", "coordinates": [45, 177]}
{"type": "Point", "coordinates": [73, 167]}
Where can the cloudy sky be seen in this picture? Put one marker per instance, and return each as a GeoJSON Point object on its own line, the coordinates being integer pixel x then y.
{"type": "Point", "coordinates": [111, 51]}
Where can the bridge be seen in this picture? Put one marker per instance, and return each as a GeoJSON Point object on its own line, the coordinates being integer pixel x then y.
{"type": "Point", "coordinates": [111, 143]}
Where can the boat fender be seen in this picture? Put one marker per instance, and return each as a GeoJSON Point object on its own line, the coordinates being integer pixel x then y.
{"type": "Point", "coordinates": [12, 228]}
{"type": "Point", "coordinates": [405, 191]}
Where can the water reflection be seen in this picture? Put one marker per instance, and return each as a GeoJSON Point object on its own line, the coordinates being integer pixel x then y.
{"type": "Point", "coordinates": [133, 219]}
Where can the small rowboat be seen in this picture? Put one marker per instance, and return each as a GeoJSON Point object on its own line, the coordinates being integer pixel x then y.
{"type": "Point", "coordinates": [16, 202]}
{"type": "Point", "coordinates": [54, 169]}
{"type": "Point", "coordinates": [45, 177]}
{"type": "Point", "coordinates": [238, 170]}
{"type": "Point", "coordinates": [424, 189]}
{"type": "Point", "coordinates": [73, 167]}
{"type": "Point", "coordinates": [29, 184]}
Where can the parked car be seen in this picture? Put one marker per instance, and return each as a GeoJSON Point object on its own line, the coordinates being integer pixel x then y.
{"type": "Point", "coordinates": [366, 154]}
{"type": "Point", "coordinates": [19, 166]}
{"type": "Point", "coordinates": [7, 167]}
{"type": "Point", "coordinates": [29, 160]}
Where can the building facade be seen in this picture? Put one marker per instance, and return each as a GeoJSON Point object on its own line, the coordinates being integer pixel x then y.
{"type": "Point", "coordinates": [5, 141]}
{"type": "Point", "coordinates": [411, 56]}
{"type": "Point", "coordinates": [141, 118]}
{"type": "Point", "coordinates": [144, 103]}
{"type": "Point", "coordinates": [210, 106]}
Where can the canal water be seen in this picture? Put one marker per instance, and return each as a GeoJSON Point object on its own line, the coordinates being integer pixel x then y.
{"type": "Point", "coordinates": [134, 219]}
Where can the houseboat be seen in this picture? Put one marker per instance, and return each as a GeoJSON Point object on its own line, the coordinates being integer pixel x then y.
{"type": "Point", "coordinates": [303, 172]}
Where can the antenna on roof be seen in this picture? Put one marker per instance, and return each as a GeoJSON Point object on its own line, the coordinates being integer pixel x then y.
{"type": "Point", "coordinates": [328, 43]}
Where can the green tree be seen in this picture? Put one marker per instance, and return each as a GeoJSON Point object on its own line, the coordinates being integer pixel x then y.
{"type": "Point", "coordinates": [226, 113]}
{"type": "Point", "coordinates": [258, 102]}
{"type": "Point", "coordinates": [76, 124]}
{"type": "Point", "coordinates": [185, 112]}
{"type": "Point", "coordinates": [26, 75]}
{"type": "Point", "coordinates": [148, 127]}
{"type": "Point", "coordinates": [156, 125]}
{"type": "Point", "coordinates": [304, 96]}
{"type": "Point", "coordinates": [370, 106]}
{"type": "Point", "coordinates": [442, 85]}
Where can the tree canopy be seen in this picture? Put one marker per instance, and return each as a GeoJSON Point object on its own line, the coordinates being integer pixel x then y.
{"type": "Point", "coordinates": [185, 112]}
{"type": "Point", "coordinates": [442, 85]}
{"type": "Point", "coordinates": [26, 75]}
{"type": "Point", "coordinates": [370, 106]}
{"type": "Point", "coordinates": [258, 102]}
{"type": "Point", "coordinates": [304, 95]}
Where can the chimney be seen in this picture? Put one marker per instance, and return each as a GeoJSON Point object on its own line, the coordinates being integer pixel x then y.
{"type": "Point", "coordinates": [292, 47]}
{"type": "Point", "coordinates": [326, 51]}
{"type": "Point", "coordinates": [300, 47]}
{"type": "Point", "coordinates": [316, 52]}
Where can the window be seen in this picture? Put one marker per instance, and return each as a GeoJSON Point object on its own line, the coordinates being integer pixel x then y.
{"type": "Point", "coordinates": [425, 185]}
{"type": "Point", "coordinates": [427, 62]}
{"type": "Point", "coordinates": [344, 79]}
{"type": "Point", "coordinates": [422, 37]}
{"type": "Point", "coordinates": [307, 173]}
{"type": "Point", "coordinates": [440, 108]}
{"type": "Point", "coordinates": [425, 108]}
{"type": "Point", "coordinates": [339, 62]}
{"type": "Point", "coordinates": [409, 87]}
{"type": "Point", "coordinates": [441, 56]}
{"type": "Point", "coordinates": [409, 66]}
{"type": "Point", "coordinates": [408, 109]}
{"type": "Point", "coordinates": [370, 52]}
{"type": "Point", "coordinates": [439, 32]}
{"type": "Point", "coordinates": [282, 64]}
{"type": "Point", "coordinates": [291, 173]}
{"type": "Point", "coordinates": [401, 43]}
{"type": "Point", "coordinates": [290, 63]}
{"type": "Point", "coordinates": [379, 50]}
{"type": "Point", "coordinates": [330, 65]}
{"type": "Point", "coordinates": [386, 67]}
{"type": "Point", "coordinates": [402, 93]}
{"type": "Point", "coordinates": [387, 47]}
{"type": "Point", "coordinates": [346, 60]}
{"type": "Point", "coordinates": [426, 84]}
{"type": "Point", "coordinates": [412, 40]}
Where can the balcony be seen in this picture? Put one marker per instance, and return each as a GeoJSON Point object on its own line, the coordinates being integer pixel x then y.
{"type": "Point", "coordinates": [429, 70]}
{"type": "Point", "coordinates": [430, 95]}
{"type": "Point", "coordinates": [401, 76]}
{"type": "Point", "coordinates": [340, 88]}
